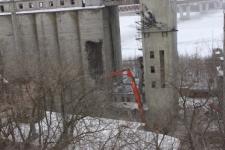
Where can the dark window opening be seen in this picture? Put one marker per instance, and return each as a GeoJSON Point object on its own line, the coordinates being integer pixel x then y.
{"type": "Point", "coordinates": [62, 2]}
{"type": "Point", "coordinates": [145, 35]}
{"type": "Point", "coordinates": [164, 34]}
{"type": "Point", "coordinates": [2, 9]}
{"type": "Point", "coordinates": [163, 85]}
{"type": "Point", "coordinates": [152, 69]}
{"type": "Point", "coordinates": [162, 68]}
{"type": "Point", "coordinates": [95, 62]}
{"type": "Point", "coordinates": [31, 5]}
{"type": "Point", "coordinates": [123, 99]}
{"type": "Point", "coordinates": [153, 84]}
{"type": "Point", "coordinates": [152, 55]}
{"type": "Point", "coordinates": [20, 6]}
{"type": "Point", "coordinates": [41, 4]}
{"type": "Point", "coordinates": [51, 3]}
{"type": "Point", "coordinates": [83, 3]}
{"type": "Point", "coordinates": [72, 2]}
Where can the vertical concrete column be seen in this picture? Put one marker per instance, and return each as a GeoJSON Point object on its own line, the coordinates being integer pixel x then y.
{"type": "Point", "coordinates": [17, 42]}
{"type": "Point", "coordinates": [115, 31]}
{"type": "Point", "coordinates": [36, 38]}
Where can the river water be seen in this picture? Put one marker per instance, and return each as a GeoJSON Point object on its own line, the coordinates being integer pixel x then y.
{"type": "Point", "coordinates": [200, 34]}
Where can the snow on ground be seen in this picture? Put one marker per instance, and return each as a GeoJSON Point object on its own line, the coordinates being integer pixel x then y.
{"type": "Point", "coordinates": [199, 34]}
{"type": "Point", "coordinates": [95, 133]}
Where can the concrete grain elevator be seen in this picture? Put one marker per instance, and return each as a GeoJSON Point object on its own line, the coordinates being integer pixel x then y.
{"type": "Point", "coordinates": [159, 27]}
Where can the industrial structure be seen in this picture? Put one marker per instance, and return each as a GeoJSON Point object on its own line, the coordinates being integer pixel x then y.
{"type": "Point", "coordinates": [38, 39]}
{"type": "Point", "coordinates": [160, 57]}
{"type": "Point", "coordinates": [41, 38]}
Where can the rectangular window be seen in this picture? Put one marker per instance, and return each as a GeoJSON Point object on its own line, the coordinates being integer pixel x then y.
{"type": "Point", "coordinates": [41, 4]}
{"type": "Point", "coordinates": [31, 5]}
{"type": "Point", "coordinates": [20, 6]}
{"type": "Point", "coordinates": [153, 84]}
{"type": "Point", "coordinates": [162, 68]}
{"type": "Point", "coordinates": [2, 8]}
{"type": "Point", "coordinates": [61, 2]}
{"type": "Point", "coordinates": [152, 69]}
{"type": "Point", "coordinates": [72, 2]}
{"type": "Point", "coordinates": [145, 35]}
{"type": "Point", "coordinates": [51, 3]}
{"type": "Point", "coordinates": [83, 3]}
{"type": "Point", "coordinates": [164, 34]}
{"type": "Point", "coordinates": [152, 55]}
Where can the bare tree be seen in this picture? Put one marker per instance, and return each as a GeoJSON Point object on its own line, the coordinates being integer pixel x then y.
{"type": "Point", "coordinates": [53, 111]}
{"type": "Point", "coordinates": [200, 123]}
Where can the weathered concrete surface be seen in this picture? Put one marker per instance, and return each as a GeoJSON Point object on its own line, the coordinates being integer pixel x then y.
{"type": "Point", "coordinates": [160, 70]}
{"type": "Point", "coordinates": [84, 45]}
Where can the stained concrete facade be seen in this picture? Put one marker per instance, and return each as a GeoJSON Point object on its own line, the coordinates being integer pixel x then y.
{"type": "Point", "coordinates": [160, 59]}
{"type": "Point", "coordinates": [43, 38]}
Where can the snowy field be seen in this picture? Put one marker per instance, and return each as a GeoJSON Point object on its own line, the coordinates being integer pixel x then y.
{"type": "Point", "coordinates": [92, 133]}
{"type": "Point", "coordinates": [198, 35]}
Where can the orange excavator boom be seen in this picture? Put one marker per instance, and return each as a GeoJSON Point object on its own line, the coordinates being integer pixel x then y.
{"type": "Point", "coordinates": [129, 74]}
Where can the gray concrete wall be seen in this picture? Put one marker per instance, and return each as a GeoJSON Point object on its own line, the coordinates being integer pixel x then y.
{"type": "Point", "coordinates": [30, 5]}
{"type": "Point", "coordinates": [161, 100]}
{"type": "Point", "coordinates": [114, 28]}
{"type": "Point", "coordinates": [50, 42]}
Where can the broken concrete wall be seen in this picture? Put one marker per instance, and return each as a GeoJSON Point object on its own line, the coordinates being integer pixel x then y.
{"type": "Point", "coordinates": [79, 43]}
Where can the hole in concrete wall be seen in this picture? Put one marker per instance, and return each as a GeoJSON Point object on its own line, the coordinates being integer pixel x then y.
{"type": "Point", "coordinates": [94, 55]}
{"type": "Point", "coordinates": [146, 35]}
{"type": "Point", "coordinates": [164, 34]}
{"type": "Point", "coordinates": [41, 4]}
{"type": "Point", "coordinates": [2, 9]}
{"type": "Point", "coordinates": [20, 6]}
{"type": "Point", "coordinates": [72, 2]}
{"type": "Point", "coordinates": [152, 54]}
{"type": "Point", "coordinates": [152, 69]}
{"type": "Point", "coordinates": [83, 3]}
{"type": "Point", "coordinates": [162, 67]}
{"type": "Point", "coordinates": [51, 3]}
{"type": "Point", "coordinates": [153, 84]}
{"type": "Point", "coordinates": [62, 2]}
{"type": "Point", "coordinates": [31, 5]}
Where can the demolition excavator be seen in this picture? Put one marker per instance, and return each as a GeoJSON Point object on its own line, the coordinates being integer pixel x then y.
{"type": "Point", "coordinates": [129, 74]}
